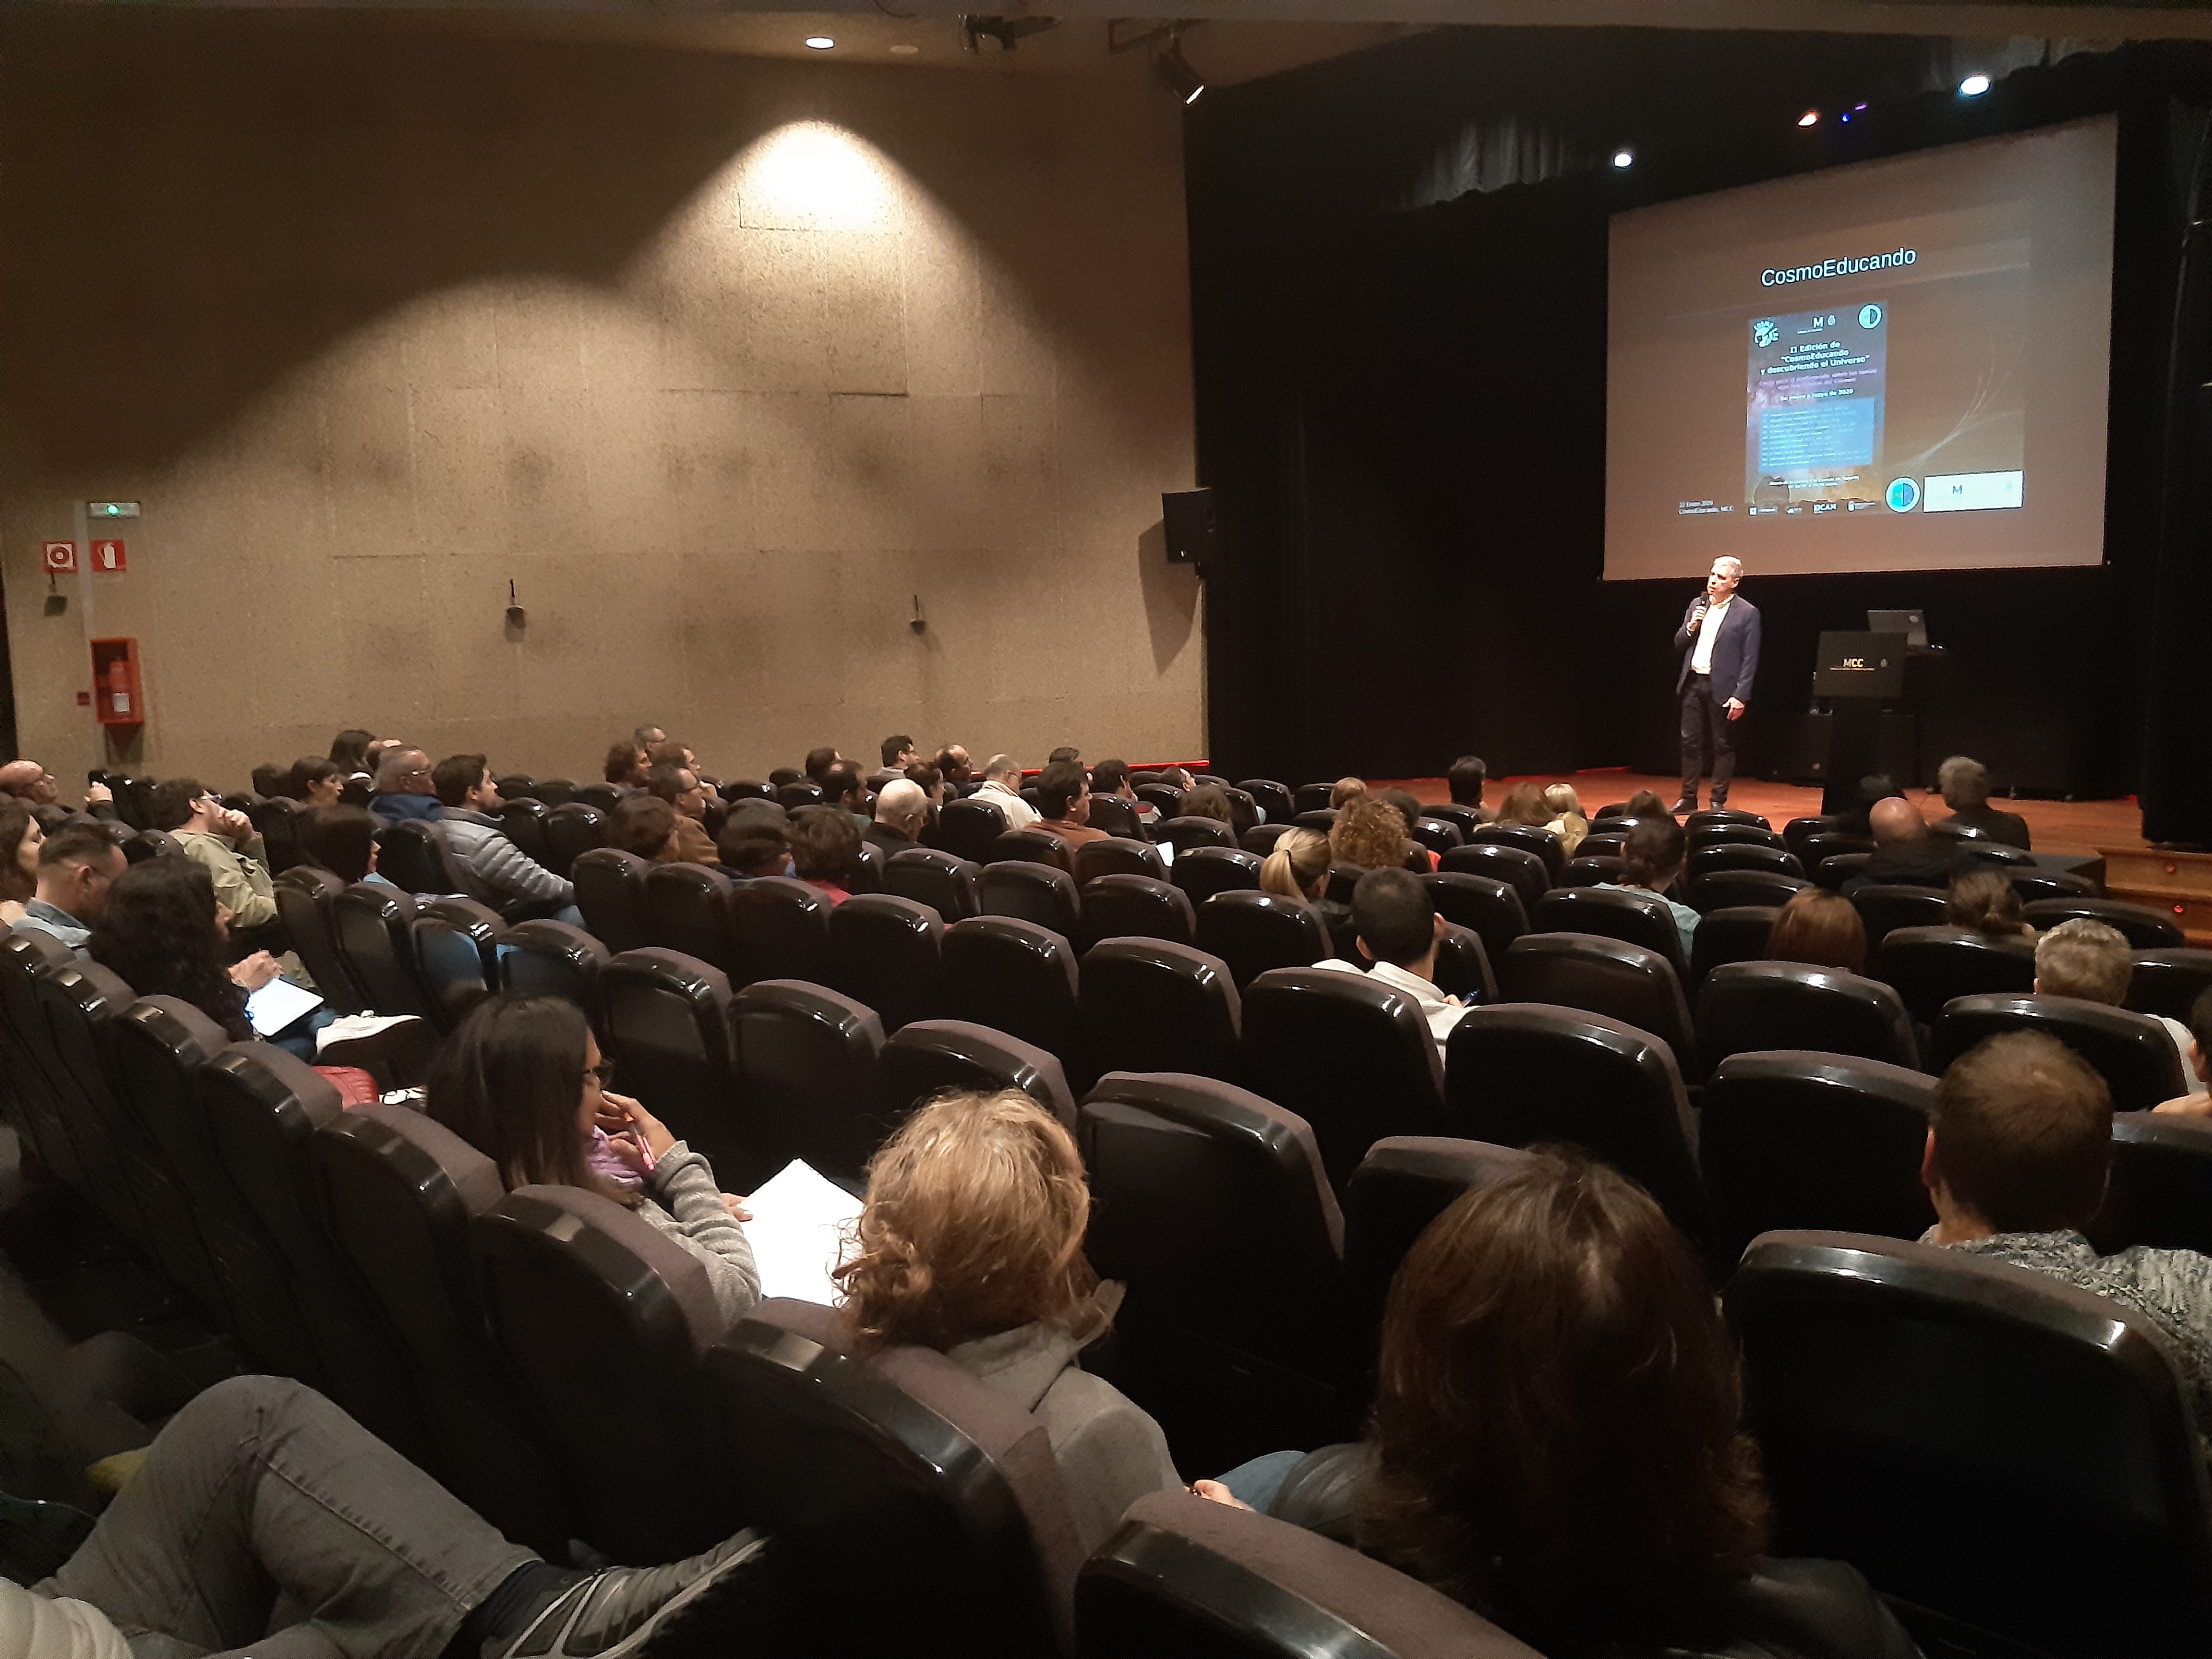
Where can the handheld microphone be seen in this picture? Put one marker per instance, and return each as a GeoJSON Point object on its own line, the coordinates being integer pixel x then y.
{"type": "Point", "coordinates": [1697, 615]}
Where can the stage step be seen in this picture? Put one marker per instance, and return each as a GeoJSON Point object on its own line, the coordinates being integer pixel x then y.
{"type": "Point", "coordinates": [2179, 882]}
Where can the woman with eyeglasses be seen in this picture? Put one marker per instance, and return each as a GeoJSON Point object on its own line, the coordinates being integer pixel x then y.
{"type": "Point", "coordinates": [521, 1081]}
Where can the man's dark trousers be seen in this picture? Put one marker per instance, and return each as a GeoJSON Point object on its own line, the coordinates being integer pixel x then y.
{"type": "Point", "coordinates": [1699, 708]}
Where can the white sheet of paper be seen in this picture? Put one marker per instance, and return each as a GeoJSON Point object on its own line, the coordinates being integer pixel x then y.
{"type": "Point", "coordinates": [276, 1005]}
{"type": "Point", "coordinates": [801, 1221]}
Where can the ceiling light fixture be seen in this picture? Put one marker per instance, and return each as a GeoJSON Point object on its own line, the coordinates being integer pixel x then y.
{"type": "Point", "coordinates": [1186, 82]}
{"type": "Point", "coordinates": [1973, 85]}
{"type": "Point", "coordinates": [820, 42]}
{"type": "Point", "coordinates": [1811, 117]}
{"type": "Point", "coordinates": [1624, 157]}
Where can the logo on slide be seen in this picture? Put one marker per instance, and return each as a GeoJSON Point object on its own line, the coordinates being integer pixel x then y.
{"type": "Point", "coordinates": [1904, 495]}
{"type": "Point", "coordinates": [1764, 333]}
{"type": "Point", "coordinates": [1869, 316]}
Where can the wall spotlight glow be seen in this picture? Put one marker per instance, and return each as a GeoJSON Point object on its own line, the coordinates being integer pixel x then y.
{"type": "Point", "coordinates": [1624, 157]}
{"type": "Point", "coordinates": [820, 42]}
{"type": "Point", "coordinates": [905, 49]}
{"type": "Point", "coordinates": [1973, 85]}
{"type": "Point", "coordinates": [1810, 117]}
{"type": "Point", "coordinates": [814, 176]}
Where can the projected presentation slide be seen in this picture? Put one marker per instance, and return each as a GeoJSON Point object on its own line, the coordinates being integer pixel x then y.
{"type": "Point", "coordinates": [1920, 349]}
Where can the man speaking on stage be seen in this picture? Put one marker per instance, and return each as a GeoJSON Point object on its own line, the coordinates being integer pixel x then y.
{"type": "Point", "coordinates": [1720, 632]}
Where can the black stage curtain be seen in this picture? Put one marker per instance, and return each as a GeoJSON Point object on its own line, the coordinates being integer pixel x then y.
{"type": "Point", "coordinates": [1400, 395]}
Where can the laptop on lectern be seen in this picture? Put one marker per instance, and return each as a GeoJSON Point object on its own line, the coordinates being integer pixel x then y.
{"type": "Point", "coordinates": [1913, 624]}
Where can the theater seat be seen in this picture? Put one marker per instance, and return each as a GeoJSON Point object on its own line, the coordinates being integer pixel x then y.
{"type": "Point", "coordinates": [1711, 816]}
{"type": "Point", "coordinates": [1832, 871]}
{"type": "Point", "coordinates": [2034, 884]}
{"type": "Point", "coordinates": [1823, 845]}
{"type": "Point", "coordinates": [1463, 966]}
{"type": "Point", "coordinates": [1465, 819]}
{"type": "Point", "coordinates": [2133, 1052]}
{"type": "Point", "coordinates": [1150, 1004]}
{"type": "Point", "coordinates": [604, 795]}
{"type": "Point", "coordinates": [1725, 888]}
{"type": "Point", "coordinates": [1205, 869]}
{"type": "Point", "coordinates": [552, 959]}
{"type": "Point", "coordinates": [1259, 840]}
{"type": "Point", "coordinates": [374, 927]}
{"type": "Point", "coordinates": [1254, 932]}
{"type": "Point", "coordinates": [1928, 966]}
{"type": "Point", "coordinates": [1136, 907]}
{"type": "Point", "coordinates": [526, 823]}
{"type": "Point", "coordinates": [33, 1081]}
{"type": "Point", "coordinates": [278, 821]}
{"type": "Point", "coordinates": [1211, 1205]}
{"type": "Point", "coordinates": [1543, 843]}
{"type": "Point", "coordinates": [413, 855]}
{"type": "Point", "coordinates": [1594, 871]}
{"type": "Point", "coordinates": [611, 892]}
{"type": "Point", "coordinates": [590, 1305]}
{"type": "Point", "coordinates": [889, 952]}
{"type": "Point", "coordinates": [1746, 1005]}
{"type": "Point", "coordinates": [1603, 844]}
{"type": "Point", "coordinates": [1521, 1074]}
{"type": "Point", "coordinates": [1798, 832]}
{"type": "Point", "coordinates": [1742, 855]}
{"type": "Point", "coordinates": [1164, 798]}
{"type": "Point", "coordinates": [1628, 913]}
{"type": "Point", "coordinates": [1203, 1581]}
{"type": "Point", "coordinates": [1273, 798]}
{"type": "Point", "coordinates": [793, 796]}
{"type": "Point", "coordinates": [1031, 847]}
{"type": "Point", "coordinates": [457, 953]}
{"type": "Point", "coordinates": [1117, 817]}
{"type": "Point", "coordinates": [782, 927]}
{"type": "Point", "coordinates": [967, 829]}
{"type": "Point", "coordinates": [1885, 1378]}
{"type": "Point", "coordinates": [1118, 855]}
{"type": "Point", "coordinates": [668, 1025]}
{"type": "Point", "coordinates": [932, 1055]}
{"type": "Point", "coordinates": [1607, 976]}
{"type": "Point", "coordinates": [1709, 836]}
{"type": "Point", "coordinates": [1738, 933]}
{"type": "Point", "coordinates": [2169, 982]}
{"type": "Point", "coordinates": [1351, 1056]}
{"type": "Point", "coordinates": [1185, 834]}
{"type": "Point", "coordinates": [1043, 893]}
{"type": "Point", "coordinates": [1490, 907]}
{"type": "Point", "coordinates": [2161, 1185]}
{"type": "Point", "coordinates": [946, 1488]}
{"type": "Point", "coordinates": [1435, 834]}
{"type": "Point", "coordinates": [807, 1075]}
{"type": "Point", "coordinates": [397, 1191]}
{"type": "Point", "coordinates": [2144, 928]}
{"type": "Point", "coordinates": [943, 882]}
{"type": "Point", "coordinates": [1885, 907]}
{"type": "Point", "coordinates": [304, 897]}
{"type": "Point", "coordinates": [687, 908]}
{"type": "Point", "coordinates": [572, 830]}
{"type": "Point", "coordinates": [1019, 978]}
{"type": "Point", "coordinates": [1795, 1138]}
{"type": "Point", "coordinates": [1527, 873]}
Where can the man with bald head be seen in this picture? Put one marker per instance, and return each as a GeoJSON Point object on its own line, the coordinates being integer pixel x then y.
{"type": "Point", "coordinates": [1904, 852]}
{"type": "Point", "coordinates": [32, 784]}
{"type": "Point", "coordinates": [902, 810]}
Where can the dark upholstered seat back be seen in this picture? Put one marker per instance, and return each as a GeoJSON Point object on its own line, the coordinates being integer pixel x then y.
{"type": "Point", "coordinates": [1928, 966]}
{"type": "Point", "coordinates": [611, 892]}
{"type": "Point", "coordinates": [807, 1075]}
{"type": "Point", "coordinates": [1150, 1004]}
{"type": "Point", "coordinates": [2132, 1051]}
{"type": "Point", "coordinates": [1746, 1005]}
{"type": "Point", "coordinates": [943, 881]}
{"type": "Point", "coordinates": [1254, 932]}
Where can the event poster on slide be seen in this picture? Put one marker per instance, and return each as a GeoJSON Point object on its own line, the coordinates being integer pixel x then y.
{"type": "Point", "coordinates": [1900, 364]}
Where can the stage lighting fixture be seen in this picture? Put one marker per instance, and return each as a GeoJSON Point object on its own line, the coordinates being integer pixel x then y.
{"type": "Point", "coordinates": [1973, 85]}
{"type": "Point", "coordinates": [1810, 117]}
{"type": "Point", "coordinates": [1175, 72]}
{"type": "Point", "coordinates": [1624, 157]}
{"type": "Point", "coordinates": [820, 42]}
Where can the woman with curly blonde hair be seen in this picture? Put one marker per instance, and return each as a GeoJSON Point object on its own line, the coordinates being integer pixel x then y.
{"type": "Point", "coordinates": [972, 1244]}
{"type": "Point", "coordinates": [1368, 833]}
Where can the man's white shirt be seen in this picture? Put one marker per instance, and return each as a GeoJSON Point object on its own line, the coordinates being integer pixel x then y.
{"type": "Point", "coordinates": [1020, 815]}
{"type": "Point", "coordinates": [1701, 658]}
{"type": "Point", "coordinates": [1439, 1009]}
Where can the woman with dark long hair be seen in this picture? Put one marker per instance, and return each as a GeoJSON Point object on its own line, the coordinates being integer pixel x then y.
{"type": "Point", "coordinates": [521, 1081]}
{"type": "Point", "coordinates": [21, 837]}
{"type": "Point", "coordinates": [163, 932]}
{"type": "Point", "coordinates": [317, 781]}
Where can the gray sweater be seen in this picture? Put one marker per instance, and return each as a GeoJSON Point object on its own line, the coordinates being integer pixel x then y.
{"type": "Point", "coordinates": [504, 870]}
{"type": "Point", "coordinates": [686, 1206]}
{"type": "Point", "coordinates": [1109, 1450]}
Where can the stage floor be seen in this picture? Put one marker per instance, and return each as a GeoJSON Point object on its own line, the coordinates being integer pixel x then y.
{"type": "Point", "coordinates": [2055, 826]}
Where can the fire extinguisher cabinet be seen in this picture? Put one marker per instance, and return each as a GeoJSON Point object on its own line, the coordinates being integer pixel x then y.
{"type": "Point", "coordinates": [117, 698]}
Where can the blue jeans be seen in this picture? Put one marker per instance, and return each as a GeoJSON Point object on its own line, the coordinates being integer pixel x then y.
{"type": "Point", "coordinates": [1257, 1482]}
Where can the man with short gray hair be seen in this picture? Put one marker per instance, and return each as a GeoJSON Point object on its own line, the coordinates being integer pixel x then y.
{"type": "Point", "coordinates": [1965, 784]}
{"type": "Point", "coordinates": [1719, 642]}
{"type": "Point", "coordinates": [2080, 957]}
{"type": "Point", "coordinates": [1002, 788]}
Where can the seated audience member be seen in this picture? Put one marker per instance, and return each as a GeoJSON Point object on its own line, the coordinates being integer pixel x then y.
{"type": "Point", "coordinates": [899, 753]}
{"type": "Point", "coordinates": [341, 839]}
{"type": "Point", "coordinates": [1297, 869]}
{"type": "Point", "coordinates": [1559, 1443]}
{"type": "Point", "coordinates": [2198, 1103]}
{"type": "Point", "coordinates": [1987, 901]}
{"type": "Point", "coordinates": [1651, 861]}
{"type": "Point", "coordinates": [264, 1520]}
{"type": "Point", "coordinates": [901, 811]}
{"type": "Point", "coordinates": [1409, 806]}
{"type": "Point", "coordinates": [825, 843]}
{"type": "Point", "coordinates": [1064, 803]}
{"type": "Point", "coordinates": [952, 761]}
{"type": "Point", "coordinates": [31, 783]}
{"type": "Point", "coordinates": [1645, 804]}
{"type": "Point", "coordinates": [227, 845]}
{"type": "Point", "coordinates": [2087, 959]}
{"type": "Point", "coordinates": [1566, 821]}
{"type": "Point", "coordinates": [513, 883]}
{"type": "Point", "coordinates": [645, 825]}
{"type": "Point", "coordinates": [1903, 851]}
{"type": "Point", "coordinates": [78, 864]}
{"type": "Point", "coordinates": [317, 781]}
{"type": "Point", "coordinates": [680, 787]}
{"type": "Point", "coordinates": [163, 933]}
{"type": "Point", "coordinates": [819, 761]}
{"type": "Point", "coordinates": [755, 841]}
{"type": "Point", "coordinates": [1464, 779]}
{"type": "Point", "coordinates": [2018, 1152]}
{"type": "Point", "coordinates": [1821, 929]}
{"type": "Point", "coordinates": [1965, 785]}
{"type": "Point", "coordinates": [930, 778]}
{"type": "Point", "coordinates": [783, 775]}
{"type": "Point", "coordinates": [1368, 833]}
{"type": "Point", "coordinates": [1524, 804]}
{"type": "Point", "coordinates": [1111, 777]}
{"type": "Point", "coordinates": [647, 736]}
{"type": "Point", "coordinates": [1207, 801]}
{"type": "Point", "coordinates": [625, 765]}
{"type": "Point", "coordinates": [844, 785]}
{"type": "Point", "coordinates": [350, 751]}
{"type": "Point", "coordinates": [20, 840]}
{"type": "Point", "coordinates": [403, 789]}
{"type": "Point", "coordinates": [1176, 778]}
{"type": "Point", "coordinates": [1346, 791]}
{"type": "Point", "coordinates": [972, 1244]}
{"type": "Point", "coordinates": [668, 752]}
{"type": "Point", "coordinates": [1002, 788]}
{"type": "Point", "coordinates": [1066, 752]}
{"type": "Point", "coordinates": [1398, 930]}
{"type": "Point", "coordinates": [521, 1081]}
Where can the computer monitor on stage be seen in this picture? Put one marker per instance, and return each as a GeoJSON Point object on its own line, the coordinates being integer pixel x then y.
{"type": "Point", "coordinates": [1913, 624]}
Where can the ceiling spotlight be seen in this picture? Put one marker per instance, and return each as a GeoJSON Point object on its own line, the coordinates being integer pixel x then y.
{"type": "Point", "coordinates": [1175, 72]}
{"type": "Point", "coordinates": [1811, 117]}
{"type": "Point", "coordinates": [1624, 157]}
{"type": "Point", "coordinates": [1973, 85]}
{"type": "Point", "coordinates": [820, 42]}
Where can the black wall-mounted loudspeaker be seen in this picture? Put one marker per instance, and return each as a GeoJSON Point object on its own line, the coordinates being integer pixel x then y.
{"type": "Point", "coordinates": [1187, 515]}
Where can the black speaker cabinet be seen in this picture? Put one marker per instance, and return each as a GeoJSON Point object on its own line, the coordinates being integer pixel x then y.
{"type": "Point", "coordinates": [1187, 515]}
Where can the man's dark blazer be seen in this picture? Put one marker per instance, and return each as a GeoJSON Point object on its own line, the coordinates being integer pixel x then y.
{"type": "Point", "coordinates": [1735, 653]}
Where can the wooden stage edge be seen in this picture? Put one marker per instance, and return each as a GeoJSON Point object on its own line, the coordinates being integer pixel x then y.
{"type": "Point", "coordinates": [2055, 826]}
